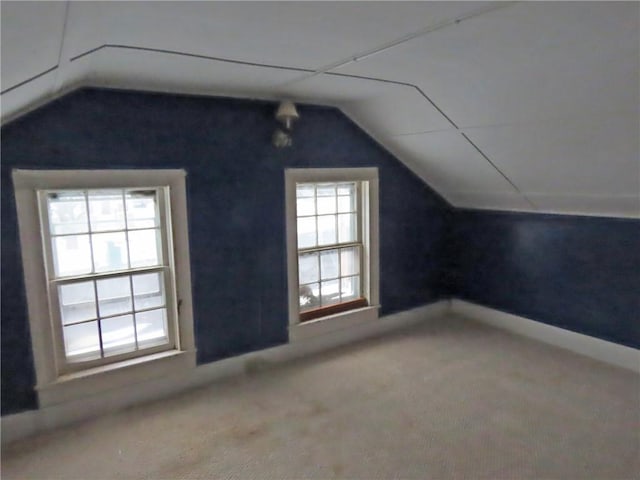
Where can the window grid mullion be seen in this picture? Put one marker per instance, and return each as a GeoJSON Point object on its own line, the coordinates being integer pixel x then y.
{"type": "Point", "coordinates": [118, 230]}
{"type": "Point", "coordinates": [86, 201]}
{"type": "Point", "coordinates": [307, 216]}
{"type": "Point", "coordinates": [329, 247]}
{"type": "Point", "coordinates": [98, 322]}
{"type": "Point", "coordinates": [93, 270]}
{"type": "Point", "coordinates": [126, 237]}
{"type": "Point", "coordinates": [112, 274]}
{"type": "Point", "coordinates": [119, 314]}
{"type": "Point", "coordinates": [133, 307]}
{"type": "Point", "coordinates": [328, 279]}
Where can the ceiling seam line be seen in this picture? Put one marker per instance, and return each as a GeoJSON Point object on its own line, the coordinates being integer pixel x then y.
{"type": "Point", "coordinates": [156, 50]}
{"type": "Point", "coordinates": [399, 41]}
{"type": "Point", "coordinates": [192, 55]}
{"type": "Point", "coordinates": [395, 82]}
{"type": "Point", "coordinates": [88, 52]}
{"type": "Point", "coordinates": [424, 132]}
{"type": "Point", "coordinates": [57, 83]}
{"type": "Point", "coordinates": [28, 80]}
{"type": "Point", "coordinates": [498, 170]}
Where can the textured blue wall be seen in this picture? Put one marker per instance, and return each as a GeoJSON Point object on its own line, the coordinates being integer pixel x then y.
{"type": "Point", "coordinates": [235, 189]}
{"type": "Point", "coordinates": [577, 273]}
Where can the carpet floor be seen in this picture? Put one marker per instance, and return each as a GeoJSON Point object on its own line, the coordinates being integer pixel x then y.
{"type": "Point", "coordinates": [445, 400]}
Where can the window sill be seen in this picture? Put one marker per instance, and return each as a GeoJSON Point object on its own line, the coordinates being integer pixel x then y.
{"type": "Point", "coordinates": [332, 323]}
{"type": "Point", "coordinates": [127, 373]}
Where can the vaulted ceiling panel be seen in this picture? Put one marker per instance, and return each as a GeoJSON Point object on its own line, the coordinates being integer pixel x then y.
{"type": "Point", "coordinates": [524, 62]}
{"type": "Point", "coordinates": [400, 110]}
{"type": "Point", "coordinates": [301, 34]}
{"type": "Point", "coordinates": [335, 89]}
{"type": "Point", "coordinates": [31, 38]}
{"type": "Point", "coordinates": [590, 156]}
{"type": "Point", "coordinates": [450, 162]}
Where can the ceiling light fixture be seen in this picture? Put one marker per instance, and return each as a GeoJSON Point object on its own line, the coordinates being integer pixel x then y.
{"type": "Point", "coordinates": [286, 114]}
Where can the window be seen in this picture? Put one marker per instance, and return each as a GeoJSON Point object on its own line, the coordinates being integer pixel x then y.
{"type": "Point", "coordinates": [108, 282]}
{"type": "Point", "coordinates": [332, 242]}
{"type": "Point", "coordinates": [329, 248]}
{"type": "Point", "coordinates": [108, 269]}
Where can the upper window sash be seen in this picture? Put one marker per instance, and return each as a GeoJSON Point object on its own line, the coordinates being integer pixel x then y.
{"type": "Point", "coordinates": [160, 223]}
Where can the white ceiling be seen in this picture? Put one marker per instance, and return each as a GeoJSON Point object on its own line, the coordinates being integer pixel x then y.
{"type": "Point", "coordinates": [507, 105]}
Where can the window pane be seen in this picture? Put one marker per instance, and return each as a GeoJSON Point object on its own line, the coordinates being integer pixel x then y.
{"type": "Point", "coordinates": [329, 264]}
{"type": "Point", "coordinates": [71, 255]}
{"type": "Point", "coordinates": [109, 251]}
{"type": "Point", "coordinates": [330, 292]}
{"type": "Point", "coordinates": [347, 197]}
{"type": "Point", "coordinates": [77, 302]}
{"type": "Point", "coordinates": [152, 328]}
{"type": "Point", "coordinates": [347, 189]}
{"type": "Point", "coordinates": [349, 261]}
{"type": "Point", "coordinates": [350, 287]}
{"type": "Point", "coordinates": [308, 268]}
{"type": "Point", "coordinates": [305, 206]}
{"type": "Point", "coordinates": [148, 290]}
{"type": "Point", "coordinates": [326, 199]}
{"type": "Point", "coordinates": [144, 248]}
{"type": "Point", "coordinates": [106, 210]}
{"type": "Point", "coordinates": [306, 232]}
{"type": "Point", "coordinates": [114, 296]}
{"type": "Point", "coordinates": [327, 230]}
{"type": "Point", "coordinates": [81, 342]}
{"type": "Point", "coordinates": [309, 296]}
{"type": "Point", "coordinates": [67, 212]}
{"type": "Point", "coordinates": [305, 190]}
{"type": "Point", "coordinates": [118, 335]}
{"type": "Point", "coordinates": [346, 204]}
{"type": "Point", "coordinates": [347, 227]}
{"type": "Point", "coordinates": [142, 209]}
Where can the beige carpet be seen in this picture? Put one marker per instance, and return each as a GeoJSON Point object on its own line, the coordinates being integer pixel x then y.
{"type": "Point", "coordinates": [453, 399]}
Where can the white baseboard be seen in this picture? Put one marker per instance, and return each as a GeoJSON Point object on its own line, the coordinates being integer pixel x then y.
{"type": "Point", "coordinates": [28, 423]}
{"type": "Point", "coordinates": [608, 352]}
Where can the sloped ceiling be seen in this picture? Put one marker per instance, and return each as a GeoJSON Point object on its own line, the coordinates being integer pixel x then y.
{"type": "Point", "coordinates": [504, 105]}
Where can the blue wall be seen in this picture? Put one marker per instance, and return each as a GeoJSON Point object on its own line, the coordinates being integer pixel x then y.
{"type": "Point", "coordinates": [235, 192]}
{"type": "Point", "coordinates": [577, 273]}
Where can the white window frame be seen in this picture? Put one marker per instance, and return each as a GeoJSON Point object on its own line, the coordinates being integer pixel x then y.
{"type": "Point", "coordinates": [369, 232]}
{"type": "Point", "coordinates": [55, 383]}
